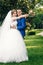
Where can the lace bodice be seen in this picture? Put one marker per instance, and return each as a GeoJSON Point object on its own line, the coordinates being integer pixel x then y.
{"type": "Point", "coordinates": [14, 23]}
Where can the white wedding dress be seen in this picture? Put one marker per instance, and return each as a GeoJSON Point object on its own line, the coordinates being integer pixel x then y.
{"type": "Point", "coordinates": [12, 46]}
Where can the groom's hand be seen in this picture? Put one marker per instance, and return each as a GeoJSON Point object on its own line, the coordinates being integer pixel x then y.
{"type": "Point", "coordinates": [31, 13]}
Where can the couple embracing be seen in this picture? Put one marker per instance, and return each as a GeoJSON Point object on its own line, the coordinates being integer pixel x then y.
{"type": "Point", "coordinates": [21, 22]}
{"type": "Point", "coordinates": [12, 45]}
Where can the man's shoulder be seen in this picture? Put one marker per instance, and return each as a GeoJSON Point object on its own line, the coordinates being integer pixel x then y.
{"type": "Point", "coordinates": [21, 19]}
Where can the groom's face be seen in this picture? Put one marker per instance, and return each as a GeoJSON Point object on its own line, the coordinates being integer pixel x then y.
{"type": "Point", "coordinates": [19, 12]}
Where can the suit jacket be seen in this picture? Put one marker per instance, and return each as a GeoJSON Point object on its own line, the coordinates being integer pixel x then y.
{"type": "Point", "coordinates": [21, 25]}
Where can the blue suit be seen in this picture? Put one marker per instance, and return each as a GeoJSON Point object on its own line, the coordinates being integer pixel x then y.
{"type": "Point", "coordinates": [21, 26]}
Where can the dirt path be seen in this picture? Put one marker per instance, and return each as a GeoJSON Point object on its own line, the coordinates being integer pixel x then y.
{"type": "Point", "coordinates": [40, 34]}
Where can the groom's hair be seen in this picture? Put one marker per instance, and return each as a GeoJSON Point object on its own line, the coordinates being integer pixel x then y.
{"type": "Point", "coordinates": [19, 10]}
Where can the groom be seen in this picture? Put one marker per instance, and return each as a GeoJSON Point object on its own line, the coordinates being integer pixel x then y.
{"type": "Point", "coordinates": [21, 23]}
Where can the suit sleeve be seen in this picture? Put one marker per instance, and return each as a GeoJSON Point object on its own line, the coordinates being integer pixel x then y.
{"type": "Point", "coordinates": [23, 24]}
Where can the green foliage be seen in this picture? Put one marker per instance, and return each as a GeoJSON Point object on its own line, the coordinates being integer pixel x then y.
{"type": "Point", "coordinates": [31, 33]}
{"type": "Point", "coordinates": [37, 21]}
{"type": "Point", "coordinates": [5, 6]}
{"type": "Point", "coordinates": [25, 6]}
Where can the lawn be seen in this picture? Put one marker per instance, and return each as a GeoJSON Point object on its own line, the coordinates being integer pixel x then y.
{"type": "Point", "coordinates": [34, 45]}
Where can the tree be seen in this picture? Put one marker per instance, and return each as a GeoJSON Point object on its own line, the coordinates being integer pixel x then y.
{"type": "Point", "coordinates": [5, 6]}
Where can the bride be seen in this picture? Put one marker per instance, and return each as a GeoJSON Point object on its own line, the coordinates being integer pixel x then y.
{"type": "Point", "coordinates": [12, 46]}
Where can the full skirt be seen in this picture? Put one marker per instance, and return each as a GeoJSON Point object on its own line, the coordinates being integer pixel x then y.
{"type": "Point", "coordinates": [12, 47]}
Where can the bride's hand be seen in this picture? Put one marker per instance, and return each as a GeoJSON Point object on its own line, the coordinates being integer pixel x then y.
{"type": "Point", "coordinates": [13, 27]}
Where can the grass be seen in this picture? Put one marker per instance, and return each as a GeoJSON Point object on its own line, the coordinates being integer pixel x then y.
{"type": "Point", "coordinates": [34, 40]}
{"type": "Point", "coordinates": [34, 45]}
{"type": "Point", "coordinates": [37, 30]}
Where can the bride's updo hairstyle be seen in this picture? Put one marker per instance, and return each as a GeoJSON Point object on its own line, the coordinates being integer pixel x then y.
{"type": "Point", "coordinates": [12, 11]}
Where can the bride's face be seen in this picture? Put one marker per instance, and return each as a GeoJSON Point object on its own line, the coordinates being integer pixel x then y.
{"type": "Point", "coordinates": [14, 14]}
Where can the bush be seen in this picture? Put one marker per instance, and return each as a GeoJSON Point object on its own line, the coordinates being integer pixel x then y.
{"type": "Point", "coordinates": [37, 21]}
{"type": "Point", "coordinates": [31, 33]}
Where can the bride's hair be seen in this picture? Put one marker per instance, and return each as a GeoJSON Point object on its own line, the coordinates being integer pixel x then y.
{"type": "Point", "coordinates": [12, 11]}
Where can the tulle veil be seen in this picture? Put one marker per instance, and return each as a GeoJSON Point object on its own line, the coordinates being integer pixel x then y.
{"type": "Point", "coordinates": [6, 23]}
